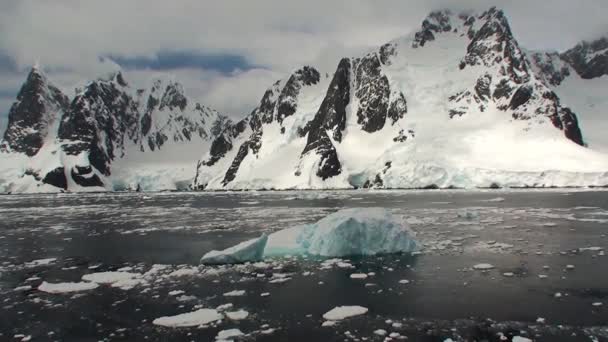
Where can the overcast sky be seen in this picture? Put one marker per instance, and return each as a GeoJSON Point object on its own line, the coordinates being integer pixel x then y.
{"type": "Point", "coordinates": [227, 52]}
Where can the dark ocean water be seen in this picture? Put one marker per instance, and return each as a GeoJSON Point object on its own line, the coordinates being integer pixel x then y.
{"type": "Point", "coordinates": [530, 235]}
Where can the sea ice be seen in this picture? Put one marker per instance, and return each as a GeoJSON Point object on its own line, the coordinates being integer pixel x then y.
{"type": "Point", "coordinates": [235, 293]}
{"type": "Point", "coordinates": [109, 277]}
{"type": "Point", "coordinates": [190, 319]}
{"type": "Point", "coordinates": [229, 333]}
{"type": "Point", "coordinates": [251, 250]}
{"type": "Point", "coordinates": [483, 266]}
{"type": "Point", "coordinates": [66, 287]}
{"type": "Point", "coordinates": [237, 315]}
{"type": "Point", "coordinates": [521, 339]}
{"type": "Point", "coordinates": [341, 312]}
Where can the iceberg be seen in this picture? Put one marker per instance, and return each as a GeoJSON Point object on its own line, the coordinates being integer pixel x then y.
{"type": "Point", "coordinates": [348, 232]}
{"type": "Point", "coordinates": [251, 250]}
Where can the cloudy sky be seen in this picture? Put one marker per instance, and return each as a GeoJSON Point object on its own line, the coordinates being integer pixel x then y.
{"type": "Point", "coordinates": [227, 52]}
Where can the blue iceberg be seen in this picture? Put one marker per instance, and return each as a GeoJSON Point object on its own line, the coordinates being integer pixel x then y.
{"type": "Point", "coordinates": [348, 232]}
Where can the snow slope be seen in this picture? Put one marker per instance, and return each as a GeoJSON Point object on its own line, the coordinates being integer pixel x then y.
{"type": "Point", "coordinates": [456, 104]}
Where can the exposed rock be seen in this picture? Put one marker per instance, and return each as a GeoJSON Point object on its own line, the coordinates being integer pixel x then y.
{"type": "Point", "coordinates": [436, 22]}
{"type": "Point", "coordinates": [38, 105]}
{"type": "Point", "coordinates": [330, 117]}
{"type": "Point", "coordinates": [372, 90]}
{"type": "Point", "coordinates": [287, 101]}
{"type": "Point", "coordinates": [56, 178]}
{"type": "Point", "coordinates": [85, 176]}
{"type": "Point", "coordinates": [521, 97]}
{"type": "Point", "coordinates": [253, 145]}
{"type": "Point", "coordinates": [99, 121]}
{"type": "Point", "coordinates": [589, 59]}
{"type": "Point", "coordinates": [494, 43]}
{"type": "Point", "coordinates": [551, 68]}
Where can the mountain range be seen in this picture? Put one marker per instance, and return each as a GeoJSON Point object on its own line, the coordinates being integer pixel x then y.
{"type": "Point", "coordinates": [456, 104]}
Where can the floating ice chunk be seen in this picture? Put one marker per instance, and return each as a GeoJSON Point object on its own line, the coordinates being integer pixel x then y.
{"type": "Point", "coordinates": [235, 293]}
{"type": "Point", "coordinates": [224, 307]}
{"type": "Point", "coordinates": [40, 262]}
{"type": "Point", "coordinates": [109, 277]}
{"type": "Point", "coordinates": [251, 250]}
{"type": "Point", "coordinates": [66, 287]}
{"type": "Point", "coordinates": [597, 304]}
{"type": "Point", "coordinates": [497, 199]}
{"type": "Point", "coordinates": [520, 339]}
{"type": "Point", "coordinates": [341, 312]}
{"type": "Point", "coordinates": [358, 276]}
{"type": "Point", "coordinates": [483, 266]}
{"type": "Point", "coordinates": [224, 335]}
{"type": "Point", "coordinates": [355, 231]}
{"type": "Point", "coordinates": [189, 319]}
{"type": "Point", "coordinates": [237, 315]}
{"type": "Point", "coordinates": [380, 332]}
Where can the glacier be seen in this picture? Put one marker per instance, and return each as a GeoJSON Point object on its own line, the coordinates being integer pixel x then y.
{"type": "Point", "coordinates": [347, 232]}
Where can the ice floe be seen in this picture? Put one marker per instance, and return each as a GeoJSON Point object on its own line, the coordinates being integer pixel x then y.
{"type": "Point", "coordinates": [56, 288]}
{"type": "Point", "coordinates": [342, 312]}
{"type": "Point", "coordinates": [189, 319]}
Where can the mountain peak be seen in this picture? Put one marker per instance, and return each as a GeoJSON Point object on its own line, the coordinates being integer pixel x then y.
{"type": "Point", "coordinates": [589, 58]}
{"type": "Point", "coordinates": [36, 108]}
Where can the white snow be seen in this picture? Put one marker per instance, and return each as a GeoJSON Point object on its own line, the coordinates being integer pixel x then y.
{"type": "Point", "coordinates": [66, 287]}
{"type": "Point", "coordinates": [190, 319]}
{"type": "Point", "coordinates": [235, 293]}
{"type": "Point", "coordinates": [342, 312]}
{"type": "Point", "coordinates": [251, 250]}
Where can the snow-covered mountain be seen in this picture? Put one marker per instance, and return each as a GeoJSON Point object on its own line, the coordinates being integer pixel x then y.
{"type": "Point", "coordinates": [456, 104]}
{"type": "Point", "coordinates": [110, 136]}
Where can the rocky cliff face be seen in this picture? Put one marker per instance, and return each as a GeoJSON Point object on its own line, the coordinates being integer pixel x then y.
{"type": "Point", "coordinates": [399, 104]}
{"type": "Point", "coordinates": [589, 59]}
{"type": "Point", "coordinates": [30, 120]}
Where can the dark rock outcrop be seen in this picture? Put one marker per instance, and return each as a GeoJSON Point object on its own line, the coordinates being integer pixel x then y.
{"type": "Point", "coordinates": [287, 101]}
{"type": "Point", "coordinates": [85, 176]}
{"type": "Point", "coordinates": [589, 59]}
{"type": "Point", "coordinates": [56, 178]}
{"type": "Point", "coordinates": [30, 118]}
{"type": "Point", "coordinates": [99, 121]}
{"type": "Point", "coordinates": [330, 117]}
{"type": "Point", "coordinates": [436, 22]}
